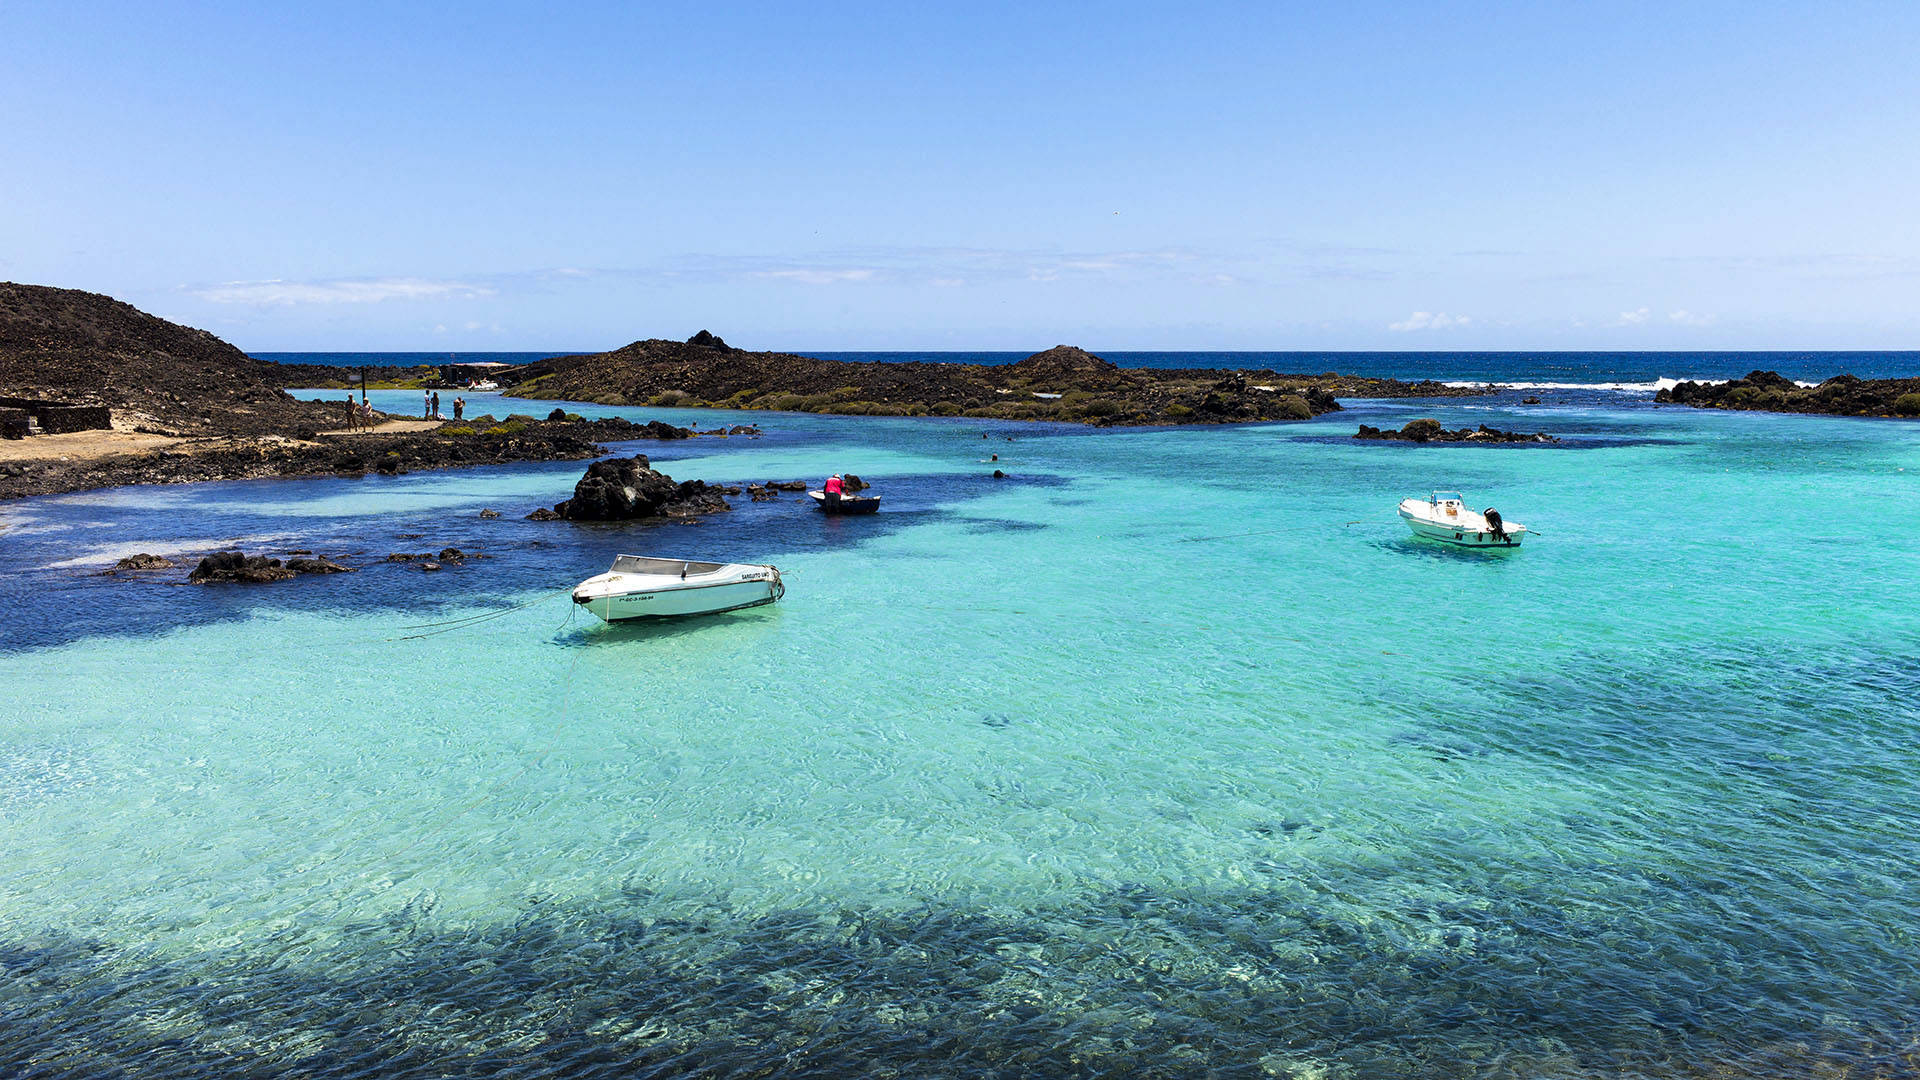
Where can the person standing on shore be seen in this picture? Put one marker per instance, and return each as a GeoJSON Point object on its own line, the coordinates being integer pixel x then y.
{"type": "Point", "coordinates": [459, 407]}
{"type": "Point", "coordinates": [436, 404]}
{"type": "Point", "coordinates": [350, 410]}
{"type": "Point", "coordinates": [426, 404]}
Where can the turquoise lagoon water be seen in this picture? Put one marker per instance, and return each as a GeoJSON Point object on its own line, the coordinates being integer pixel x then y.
{"type": "Point", "coordinates": [1170, 754]}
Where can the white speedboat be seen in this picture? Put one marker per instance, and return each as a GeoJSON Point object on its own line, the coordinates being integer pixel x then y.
{"type": "Point", "coordinates": [640, 587]}
{"type": "Point", "coordinates": [484, 386]}
{"type": "Point", "coordinates": [1444, 516]}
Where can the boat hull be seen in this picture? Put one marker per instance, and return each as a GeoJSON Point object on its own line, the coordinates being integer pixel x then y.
{"type": "Point", "coordinates": [848, 504]}
{"type": "Point", "coordinates": [667, 603]}
{"type": "Point", "coordinates": [648, 588]}
{"type": "Point", "coordinates": [1470, 530]}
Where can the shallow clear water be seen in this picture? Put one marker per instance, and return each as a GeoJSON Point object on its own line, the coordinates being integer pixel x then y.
{"type": "Point", "coordinates": [1170, 754]}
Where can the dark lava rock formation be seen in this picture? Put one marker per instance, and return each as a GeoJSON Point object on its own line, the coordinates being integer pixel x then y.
{"type": "Point", "coordinates": [144, 561]}
{"type": "Point", "coordinates": [89, 349]}
{"type": "Point", "coordinates": [233, 566]}
{"type": "Point", "coordinates": [625, 489]}
{"type": "Point", "coordinates": [1062, 383]}
{"type": "Point", "coordinates": [1769, 391]}
{"type": "Point", "coordinates": [1429, 430]}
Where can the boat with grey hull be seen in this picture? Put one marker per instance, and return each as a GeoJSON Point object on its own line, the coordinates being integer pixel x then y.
{"type": "Point", "coordinates": [644, 587]}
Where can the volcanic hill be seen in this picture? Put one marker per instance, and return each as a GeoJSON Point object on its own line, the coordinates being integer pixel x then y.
{"type": "Point", "coordinates": [87, 349]}
{"type": "Point", "coordinates": [1062, 383]}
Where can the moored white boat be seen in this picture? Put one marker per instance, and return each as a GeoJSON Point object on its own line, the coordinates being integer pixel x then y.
{"type": "Point", "coordinates": [484, 385]}
{"type": "Point", "coordinates": [640, 587]}
{"type": "Point", "coordinates": [1444, 516]}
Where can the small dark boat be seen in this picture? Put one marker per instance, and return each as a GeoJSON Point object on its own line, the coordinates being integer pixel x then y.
{"type": "Point", "coordinates": [848, 504]}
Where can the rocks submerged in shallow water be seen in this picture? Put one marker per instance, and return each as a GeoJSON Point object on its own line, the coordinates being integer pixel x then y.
{"type": "Point", "coordinates": [144, 561]}
{"type": "Point", "coordinates": [1429, 430]}
{"type": "Point", "coordinates": [235, 566]}
{"type": "Point", "coordinates": [319, 565]}
{"type": "Point", "coordinates": [626, 489]}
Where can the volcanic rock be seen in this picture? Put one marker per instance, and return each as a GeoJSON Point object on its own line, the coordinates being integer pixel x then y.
{"type": "Point", "coordinates": [623, 489]}
{"type": "Point", "coordinates": [85, 349]}
{"type": "Point", "coordinates": [321, 565]}
{"type": "Point", "coordinates": [238, 567]}
{"type": "Point", "coordinates": [1769, 391]}
{"type": "Point", "coordinates": [1062, 384]}
{"type": "Point", "coordinates": [144, 561]}
{"type": "Point", "coordinates": [1430, 430]}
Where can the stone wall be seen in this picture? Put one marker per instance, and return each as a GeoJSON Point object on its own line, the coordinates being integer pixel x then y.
{"type": "Point", "coordinates": [56, 417]}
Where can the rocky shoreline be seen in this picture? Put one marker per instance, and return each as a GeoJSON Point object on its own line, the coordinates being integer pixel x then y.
{"type": "Point", "coordinates": [253, 457]}
{"type": "Point", "coordinates": [1061, 384]}
{"type": "Point", "coordinates": [1769, 391]}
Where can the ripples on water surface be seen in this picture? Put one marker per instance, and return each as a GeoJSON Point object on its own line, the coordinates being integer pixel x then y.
{"type": "Point", "coordinates": [1172, 755]}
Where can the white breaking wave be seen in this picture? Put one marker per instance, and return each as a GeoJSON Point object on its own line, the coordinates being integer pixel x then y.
{"type": "Point", "coordinates": [1653, 387]}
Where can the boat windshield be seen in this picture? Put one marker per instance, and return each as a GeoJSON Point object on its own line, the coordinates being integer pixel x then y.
{"type": "Point", "coordinates": [641, 564]}
{"type": "Point", "coordinates": [1449, 496]}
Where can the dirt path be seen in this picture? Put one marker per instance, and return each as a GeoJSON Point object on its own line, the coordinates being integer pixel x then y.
{"type": "Point", "coordinates": [82, 445]}
{"type": "Point", "coordinates": [391, 427]}
{"type": "Point", "coordinates": [94, 445]}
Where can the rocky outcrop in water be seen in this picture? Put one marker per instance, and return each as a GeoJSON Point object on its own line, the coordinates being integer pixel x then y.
{"type": "Point", "coordinates": [234, 566]}
{"type": "Point", "coordinates": [627, 489]}
{"type": "Point", "coordinates": [1769, 391]}
{"type": "Point", "coordinates": [319, 564]}
{"type": "Point", "coordinates": [144, 561]}
{"type": "Point", "coordinates": [1429, 430]}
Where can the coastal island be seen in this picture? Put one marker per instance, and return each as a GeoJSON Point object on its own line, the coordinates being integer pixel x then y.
{"type": "Point", "coordinates": [1769, 391]}
{"type": "Point", "coordinates": [1064, 383]}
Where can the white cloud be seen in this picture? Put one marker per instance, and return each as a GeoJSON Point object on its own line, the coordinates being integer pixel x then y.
{"type": "Point", "coordinates": [1430, 320]}
{"type": "Point", "coordinates": [1633, 318]}
{"type": "Point", "coordinates": [1687, 318]}
{"type": "Point", "coordinates": [357, 291]}
{"type": "Point", "coordinates": [816, 277]}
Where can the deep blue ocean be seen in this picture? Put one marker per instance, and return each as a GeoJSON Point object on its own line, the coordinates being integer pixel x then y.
{"type": "Point", "coordinates": [1538, 369]}
{"type": "Point", "coordinates": [1169, 753]}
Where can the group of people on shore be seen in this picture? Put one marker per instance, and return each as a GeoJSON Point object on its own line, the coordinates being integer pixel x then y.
{"type": "Point", "coordinates": [430, 406]}
{"type": "Point", "coordinates": [359, 414]}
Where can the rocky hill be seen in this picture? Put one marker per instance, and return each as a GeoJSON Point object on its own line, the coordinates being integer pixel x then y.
{"type": "Point", "coordinates": [1062, 383]}
{"type": "Point", "coordinates": [88, 349]}
{"type": "Point", "coordinates": [1769, 391]}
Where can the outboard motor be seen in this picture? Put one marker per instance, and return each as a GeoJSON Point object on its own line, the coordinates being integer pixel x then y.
{"type": "Point", "coordinates": [1493, 522]}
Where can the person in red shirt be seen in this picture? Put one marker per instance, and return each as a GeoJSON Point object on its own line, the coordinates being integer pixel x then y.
{"type": "Point", "coordinates": [833, 488]}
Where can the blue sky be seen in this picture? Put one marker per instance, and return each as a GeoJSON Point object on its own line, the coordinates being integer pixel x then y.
{"type": "Point", "coordinates": [956, 176]}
